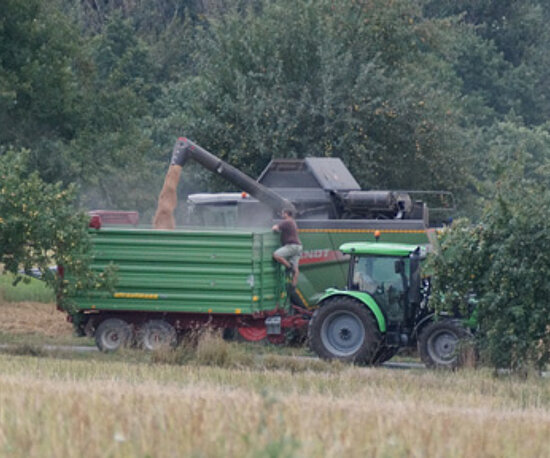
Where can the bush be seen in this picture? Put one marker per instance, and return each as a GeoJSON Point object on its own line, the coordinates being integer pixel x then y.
{"type": "Point", "coordinates": [40, 227]}
{"type": "Point", "coordinates": [504, 261]}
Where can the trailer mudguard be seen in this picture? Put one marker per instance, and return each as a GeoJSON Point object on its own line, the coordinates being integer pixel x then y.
{"type": "Point", "coordinates": [363, 297]}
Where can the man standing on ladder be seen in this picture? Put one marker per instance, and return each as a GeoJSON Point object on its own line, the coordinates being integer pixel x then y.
{"type": "Point", "coordinates": [289, 253]}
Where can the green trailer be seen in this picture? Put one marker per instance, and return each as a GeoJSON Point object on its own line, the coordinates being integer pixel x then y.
{"type": "Point", "coordinates": [170, 281]}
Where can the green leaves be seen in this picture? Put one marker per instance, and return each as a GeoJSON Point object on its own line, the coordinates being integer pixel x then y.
{"type": "Point", "coordinates": [364, 82]}
{"type": "Point", "coordinates": [505, 262]}
{"type": "Point", "coordinates": [41, 228]}
{"type": "Point", "coordinates": [36, 52]}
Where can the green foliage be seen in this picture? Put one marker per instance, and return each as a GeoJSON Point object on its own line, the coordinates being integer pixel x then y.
{"type": "Point", "coordinates": [149, 17]}
{"type": "Point", "coordinates": [505, 262]}
{"type": "Point", "coordinates": [110, 156]}
{"type": "Point", "coordinates": [354, 80]}
{"type": "Point", "coordinates": [36, 81]}
{"type": "Point", "coordinates": [509, 63]}
{"type": "Point", "coordinates": [79, 105]}
{"type": "Point", "coordinates": [40, 227]}
{"type": "Point", "coordinates": [409, 94]}
{"type": "Point", "coordinates": [504, 145]}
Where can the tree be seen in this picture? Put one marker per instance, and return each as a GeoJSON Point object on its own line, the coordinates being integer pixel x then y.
{"type": "Point", "coordinates": [37, 94]}
{"type": "Point", "coordinates": [40, 227]}
{"type": "Point", "coordinates": [110, 155]}
{"type": "Point", "coordinates": [360, 81]}
{"type": "Point", "coordinates": [80, 106]}
{"type": "Point", "coordinates": [509, 65]}
{"type": "Point", "coordinates": [504, 262]}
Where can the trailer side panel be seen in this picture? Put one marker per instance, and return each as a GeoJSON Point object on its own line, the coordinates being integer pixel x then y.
{"type": "Point", "coordinates": [206, 271]}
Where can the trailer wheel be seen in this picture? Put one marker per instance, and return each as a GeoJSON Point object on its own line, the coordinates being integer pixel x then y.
{"type": "Point", "coordinates": [157, 334]}
{"type": "Point", "coordinates": [439, 344]}
{"type": "Point", "coordinates": [112, 334]}
{"type": "Point", "coordinates": [344, 329]}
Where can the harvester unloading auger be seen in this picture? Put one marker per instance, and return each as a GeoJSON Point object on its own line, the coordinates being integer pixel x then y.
{"type": "Point", "coordinates": [185, 149]}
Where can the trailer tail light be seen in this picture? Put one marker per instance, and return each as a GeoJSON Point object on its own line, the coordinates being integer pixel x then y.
{"type": "Point", "coordinates": [116, 217]}
{"type": "Point", "coordinates": [95, 222]}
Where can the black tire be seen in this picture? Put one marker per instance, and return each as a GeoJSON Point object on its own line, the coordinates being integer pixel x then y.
{"type": "Point", "coordinates": [440, 344]}
{"type": "Point", "coordinates": [343, 328]}
{"type": "Point", "coordinates": [385, 354]}
{"type": "Point", "coordinates": [229, 334]}
{"type": "Point", "coordinates": [156, 335]}
{"type": "Point", "coordinates": [112, 334]}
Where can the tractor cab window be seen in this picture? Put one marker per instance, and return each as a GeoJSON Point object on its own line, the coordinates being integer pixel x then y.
{"type": "Point", "coordinates": [385, 279]}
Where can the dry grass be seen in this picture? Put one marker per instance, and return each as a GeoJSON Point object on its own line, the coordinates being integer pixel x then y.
{"type": "Point", "coordinates": [207, 348]}
{"type": "Point", "coordinates": [33, 318]}
{"type": "Point", "coordinates": [51, 407]}
{"type": "Point", "coordinates": [214, 398]}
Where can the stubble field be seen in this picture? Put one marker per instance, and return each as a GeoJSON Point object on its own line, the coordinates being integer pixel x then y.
{"type": "Point", "coordinates": [223, 400]}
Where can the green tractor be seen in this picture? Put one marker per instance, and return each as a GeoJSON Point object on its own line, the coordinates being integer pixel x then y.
{"type": "Point", "coordinates": [385, 308]}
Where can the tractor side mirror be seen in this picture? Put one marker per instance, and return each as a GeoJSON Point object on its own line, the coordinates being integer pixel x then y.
{"type": "Point", "coordinates": [399, 266]}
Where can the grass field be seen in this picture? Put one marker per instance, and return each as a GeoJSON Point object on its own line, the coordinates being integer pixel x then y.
{"type": "Point", "coordinates": [34, 291]}
{"type": "Point", "coordinates": [51, 406]}
{"type": "Point", "coordinates": [222, 399]}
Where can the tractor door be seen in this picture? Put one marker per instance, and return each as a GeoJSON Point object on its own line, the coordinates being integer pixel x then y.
{"type": "Point", "coordinates": [385, 279]}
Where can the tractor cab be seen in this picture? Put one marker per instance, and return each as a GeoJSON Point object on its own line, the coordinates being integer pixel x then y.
{"type": "Point", "coordinates": [390, 274]}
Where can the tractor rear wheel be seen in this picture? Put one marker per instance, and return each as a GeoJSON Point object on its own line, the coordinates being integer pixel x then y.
{"type": "Point", "coordinates": [156, 335]}
{"type": "Point", "coordinates": [344, 329]}
{"type": "Point", "coordinates": [439, 344]}
{"type": "Point", "coordinates": [112, 334]}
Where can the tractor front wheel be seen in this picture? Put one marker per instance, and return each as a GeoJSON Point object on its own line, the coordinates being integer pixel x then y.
{"type": "Point", "coordinates": [344, 329]}
{"type": "Point", "coordinates": [441, 344]}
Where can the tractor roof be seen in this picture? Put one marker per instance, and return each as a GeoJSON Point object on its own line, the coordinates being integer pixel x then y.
{"type": "Point", "coordinates": [378, 248]}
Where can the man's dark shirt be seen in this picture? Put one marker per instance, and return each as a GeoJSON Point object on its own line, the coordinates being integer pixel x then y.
{"type": "Point", "coordinates": [289, 232]}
